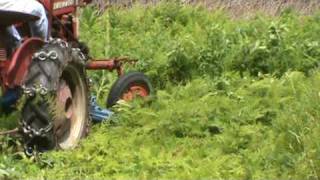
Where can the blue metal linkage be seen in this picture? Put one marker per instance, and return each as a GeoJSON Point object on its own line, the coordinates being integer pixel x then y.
{"type": "Point", "coordinates": [97, 113]}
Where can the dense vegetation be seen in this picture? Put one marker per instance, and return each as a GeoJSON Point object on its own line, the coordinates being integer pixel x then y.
{"type": "Point", "coordinates": [235, 99]}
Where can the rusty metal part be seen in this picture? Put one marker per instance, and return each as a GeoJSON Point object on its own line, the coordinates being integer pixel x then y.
{"type": "Point", "coordinates": [135, 90]}
{"type": "Point", "coordinates": [3, 54]}
{"type": "Point", "coordinates": [3, 50]}
{"type": "Point", "coordinates": [110, 64]}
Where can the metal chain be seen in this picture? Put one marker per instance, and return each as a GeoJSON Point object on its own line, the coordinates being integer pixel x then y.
{"type": "Point", "coordinates": [26, 128]}
{"type": "Point", "coordinates": [31, 91]}
{"type": "Point", "coordinates": [32, 132]}
{"type": "Point", "coordinates": [40, 89]}
{"type": "Point", "coordinates": [80, 53]}
{"type": "Point", "coordinates": [65, 44]}
{"type": "Point", "coordinates": [42, 55]}
{"type": "Point", "coordinates": [60, 42]}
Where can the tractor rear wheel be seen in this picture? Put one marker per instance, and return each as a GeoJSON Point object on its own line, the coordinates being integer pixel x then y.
{"type": "Point", "coordinates": [128, 87]}
{"type": "Point", "coordinates": [55, 112]}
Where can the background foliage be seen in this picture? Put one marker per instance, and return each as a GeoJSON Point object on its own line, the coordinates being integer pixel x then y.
{"type": "Point", "coordinates": [236, 99]}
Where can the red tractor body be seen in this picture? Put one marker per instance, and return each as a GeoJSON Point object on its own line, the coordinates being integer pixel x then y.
{"type": "Point", "coordinates": [59, 116]}
{"type": "Point", "coordinates": [14, 65]}
{"type": "Point", "coordinates": [14, 70]}
{"type": "Point", "coordinates": [63, 23]}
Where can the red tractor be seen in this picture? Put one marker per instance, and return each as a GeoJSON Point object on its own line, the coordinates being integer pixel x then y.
{"type": "Point", "coordinates": [47, 81]}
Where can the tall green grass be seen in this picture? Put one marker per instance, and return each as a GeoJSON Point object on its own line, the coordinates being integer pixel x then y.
{"type": "Point", "coordinates": [175, 42]}
{"type": "Point", "coordinates": [236, 99]}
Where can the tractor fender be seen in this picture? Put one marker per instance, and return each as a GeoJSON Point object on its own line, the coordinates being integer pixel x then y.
{"type": "Point", "coordinates": [21, 60]}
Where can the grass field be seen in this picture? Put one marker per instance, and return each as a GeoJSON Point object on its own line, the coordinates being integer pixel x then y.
{"type": "Point", "coordinates": [235, 99]}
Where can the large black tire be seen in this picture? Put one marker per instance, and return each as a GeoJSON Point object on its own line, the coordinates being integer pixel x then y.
{"type": "Point", "coordinates": [55, 110]}
{"type": "Point", "coordinates": [124, 84]}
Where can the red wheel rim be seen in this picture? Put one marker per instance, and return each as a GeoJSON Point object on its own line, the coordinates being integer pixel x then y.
{"type": "Point", "coordinates": [71, 116]}
{"type": "Point", "coordinates": [65, 99]}
{"type": "Point", "coordinates": [135, 90]}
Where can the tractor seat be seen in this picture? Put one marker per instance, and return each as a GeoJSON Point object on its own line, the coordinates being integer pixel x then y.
{"type": "Point", "coordinates": [8, 18]}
